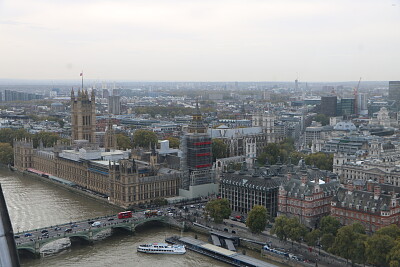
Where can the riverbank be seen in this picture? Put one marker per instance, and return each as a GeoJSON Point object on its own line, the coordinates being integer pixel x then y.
{"type": "Point", "coordinates": [63, 186]}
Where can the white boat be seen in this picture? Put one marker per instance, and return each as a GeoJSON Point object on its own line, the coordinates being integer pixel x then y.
{"type": "Point", "coordinates": [162, 248]}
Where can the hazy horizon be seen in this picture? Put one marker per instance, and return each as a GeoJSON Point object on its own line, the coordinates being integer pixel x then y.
{"type": "Point", "coordinates": [200, 41]}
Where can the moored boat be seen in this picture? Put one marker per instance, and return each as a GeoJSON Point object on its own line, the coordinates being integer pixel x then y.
{"type": "Point", "coordinates": [162, 248]}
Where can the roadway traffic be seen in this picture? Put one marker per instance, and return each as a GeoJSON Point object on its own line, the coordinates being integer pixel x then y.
{"type": "Point", "coordinates": [64, 230]}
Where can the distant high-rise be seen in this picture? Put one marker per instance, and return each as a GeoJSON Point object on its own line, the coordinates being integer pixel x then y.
{"type": "Point", "coordinates": [329, 105]}
{"type": "Point", "coordinates": [106, 93]}
{"type": "Point", "coordinates": [114, 105]}
{"type": "Point", "coordinates": [394, 94]}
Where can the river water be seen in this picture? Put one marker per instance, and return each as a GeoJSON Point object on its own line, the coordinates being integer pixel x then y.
{"type": "Point", "coordinates": [34, 204]}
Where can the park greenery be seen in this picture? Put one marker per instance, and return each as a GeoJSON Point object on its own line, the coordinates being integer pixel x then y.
{"type": "Point", "coordinates": [6, 153]}
{"type": "Point", "coordinates": [218, 209]}
{"type": "Point", "coordinates": [8, 135]}
{"type": "Point", "coordinates": [285, 151]}
{"type": "Point", "coordinates": [123, 141]}
{"type": "Point", "coordinates": [351, 242]}
{"type": "Point", "coordinates": [257, 219]}
{"type": "Point", "coordinates": [219, 149]}
{"type": "Point", "coordinates": [144, 138]}
{"type": "Point", "coordinates": [322, 118]}
{"type": "Point", "coordinates": [60, 121]}
{"type": "Point", "coordinates": [173, 142]}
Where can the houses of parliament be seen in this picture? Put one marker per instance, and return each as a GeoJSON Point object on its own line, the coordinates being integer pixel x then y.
{"type": "Point", "coordinates": [114, 173]}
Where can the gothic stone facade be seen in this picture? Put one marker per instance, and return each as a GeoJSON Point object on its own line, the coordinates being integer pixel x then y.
{"type": "Point", "coordinates": [126, 182]}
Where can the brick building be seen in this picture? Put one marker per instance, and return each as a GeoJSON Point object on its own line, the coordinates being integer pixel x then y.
{"type": "Point", "coordinates": [307, 194]}
{"type": "Point", "coordinates": [375, 206]}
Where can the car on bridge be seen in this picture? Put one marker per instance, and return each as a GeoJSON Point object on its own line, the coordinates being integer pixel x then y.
{"type": "Point", "coordinates": [96, 224]}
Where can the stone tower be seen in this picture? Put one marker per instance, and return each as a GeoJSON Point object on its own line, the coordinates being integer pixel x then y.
{"type": "Point", "coordinates": [23, 154]}
{"type": "Point", "coordinates": [83, 116]}
{"type": "Point", "coordinates": [110, 141]}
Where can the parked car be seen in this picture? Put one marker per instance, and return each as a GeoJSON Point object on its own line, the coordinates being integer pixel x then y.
{"type": "Point", "coordinates": [27, 234]}
{"type": "Point", "coordinates": [68, 230]}
{"type": "Point", "coordinates": [44, 231]}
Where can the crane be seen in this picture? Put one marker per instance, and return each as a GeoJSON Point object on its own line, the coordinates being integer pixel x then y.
{"type": "Point", "coordinates": [356, 97]}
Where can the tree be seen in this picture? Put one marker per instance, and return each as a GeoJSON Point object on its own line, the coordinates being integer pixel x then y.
{"type": "Point", "coordinates": [378, 248]}
{"type": "Point", "coordinates": [312, 237]}
{"type": "Point", "coordinates": [295, 230]}
{"type": "Point", "coordinates": [218, 209]}
{"type": "Point", "coordinates": [143, 138]}
{"type": "Point", "coordinates": [327, 241]}
{"type": "Point", "coordinates": [274, 151]}
{"type": "Point", "coordinates": [279, 227]}
{"type": "Point", "coordinates": [322, 118]}
{"type": "Point", "coordinates": [348, 242]}
{"type": "Point", "coordinates": [173, 142]}
{"type": "Point", "coordinates": [257, 219]}
{"type": "Point", "coordinates": [394, 255]}
{"type": "Point", "coordinates": [329, 225]}
{"type": "Point", "coordinates": [6, 153]}
{"type": "Point", "coordinates": [47, 138]}
{"type": "Point", "coordinates": [320, 160]}
{"type": "Point", "coordinates": [382, 246]}
{"type": "Point", "coordinates": [123, 142]}
{"type": "Point", "coordinates": [390, 230]}
{"type": "Point", "coordinates": [219, 149]}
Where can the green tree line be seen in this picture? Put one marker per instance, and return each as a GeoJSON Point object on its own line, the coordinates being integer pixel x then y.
{"type": "Point", "coordinates": [351, 242]}
{"type": "Point", "coordinates": [7, 136]}
{"type": "Point", "coordinates": [284, 150]}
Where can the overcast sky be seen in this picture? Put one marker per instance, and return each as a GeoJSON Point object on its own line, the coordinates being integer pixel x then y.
{"type": "Point", "coordinates": [202, 40]}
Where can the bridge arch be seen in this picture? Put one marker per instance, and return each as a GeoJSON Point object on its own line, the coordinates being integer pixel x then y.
{"type": "Point", "coordinates": [149, 220]}
{"type": "Point", "coordinates": [28, 251]}
{"type": "Point", "coordinates": [80, 238]}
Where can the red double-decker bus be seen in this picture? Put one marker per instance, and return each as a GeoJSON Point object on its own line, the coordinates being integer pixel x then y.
{"type": "Point", "coordinates": [125, 214]}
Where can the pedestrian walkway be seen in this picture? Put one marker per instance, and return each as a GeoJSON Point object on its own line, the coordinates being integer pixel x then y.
{"type": "Point", "coordinates": [320, 258]}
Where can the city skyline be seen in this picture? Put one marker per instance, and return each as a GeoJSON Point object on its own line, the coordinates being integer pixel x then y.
{"type": "Point", "coordinates": [200, 41]}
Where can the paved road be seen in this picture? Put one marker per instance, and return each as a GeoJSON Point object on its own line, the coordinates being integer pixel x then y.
{"type": "Point", "coordinates": [74, 227]}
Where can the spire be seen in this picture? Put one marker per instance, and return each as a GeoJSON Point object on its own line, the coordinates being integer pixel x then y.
{"type": "Point", "coordinates": [244, 168]}
{"type": "Point", "coordinates": [197, 125]}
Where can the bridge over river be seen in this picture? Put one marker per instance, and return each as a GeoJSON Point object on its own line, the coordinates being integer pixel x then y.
{"type": "Point", "coordinates": [32, 241]}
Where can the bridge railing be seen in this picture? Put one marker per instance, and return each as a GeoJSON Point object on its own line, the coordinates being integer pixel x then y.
{"type": "Point", "coordinates": [74, 222]}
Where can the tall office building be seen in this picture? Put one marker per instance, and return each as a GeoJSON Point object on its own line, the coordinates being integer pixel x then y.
{"type": "Point", "coordinates": [114, 105]}
{"type": "Point", "coordinates": [394, 94]}
{"type": "Point", "coordinates": [345, 107]}
{"type": "Point", "coordinates": [83, 116]}
{"type": "Point", "coordinates": [329, 105]}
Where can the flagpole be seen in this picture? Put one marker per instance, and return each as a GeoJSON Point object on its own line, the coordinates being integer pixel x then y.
{"type": "Point", "coordinates": [82, 79]}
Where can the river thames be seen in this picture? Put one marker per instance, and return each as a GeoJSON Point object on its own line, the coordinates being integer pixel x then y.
{"type": "Point", "coordinates": [34, 204]}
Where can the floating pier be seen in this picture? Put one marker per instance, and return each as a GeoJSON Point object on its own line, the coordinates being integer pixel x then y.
{"type": "Point", "coordinates": [218, 253]}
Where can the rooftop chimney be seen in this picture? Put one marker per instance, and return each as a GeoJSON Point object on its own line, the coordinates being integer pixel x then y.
{"type": "Point", "coordinates": [377, 191]}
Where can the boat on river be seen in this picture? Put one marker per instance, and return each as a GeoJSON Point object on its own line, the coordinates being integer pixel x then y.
{"type": "Point", "coordinates": [162, 248]}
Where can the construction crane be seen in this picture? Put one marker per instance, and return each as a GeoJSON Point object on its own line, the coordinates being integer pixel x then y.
{"type": "Point", "coordinates": [356, 97]}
